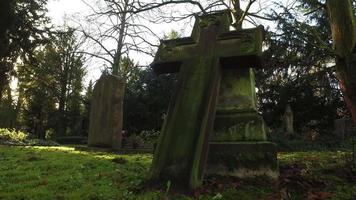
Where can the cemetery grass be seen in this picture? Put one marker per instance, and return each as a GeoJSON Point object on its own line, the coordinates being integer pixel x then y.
{"type": "Point", "coordinates": [64, 173]}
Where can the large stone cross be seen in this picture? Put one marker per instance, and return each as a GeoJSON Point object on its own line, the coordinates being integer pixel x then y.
{"type": "Point", "coordinates": [182, 149]}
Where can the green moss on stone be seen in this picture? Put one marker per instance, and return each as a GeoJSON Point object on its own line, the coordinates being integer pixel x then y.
{"type": "Point", "coordinates": [253, 156]}
{"type": "Point", "coordinates": [244, 126]}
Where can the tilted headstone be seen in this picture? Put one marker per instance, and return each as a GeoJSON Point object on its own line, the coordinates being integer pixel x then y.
{"type": "Point", "coordinates": [106, 113]}
{"type": "Point", "coordinates": [210, 53]}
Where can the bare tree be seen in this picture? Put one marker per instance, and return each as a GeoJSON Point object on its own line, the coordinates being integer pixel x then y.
{"type": "Point", "coordinates": [117, 28]}
{"type": "Point", "coordinates": [113, 31]}
{"type": "Point", "coordinates": [240, 10]}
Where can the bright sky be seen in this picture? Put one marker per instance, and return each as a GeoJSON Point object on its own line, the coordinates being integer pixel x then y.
{"type": "Point", "coordinates": [59, 10]}
{"type": "Point", "coordinates": [72, 9]}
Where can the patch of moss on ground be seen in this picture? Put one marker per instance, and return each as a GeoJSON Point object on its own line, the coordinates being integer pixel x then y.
{"type": "Point", "coordinates": [63, 173]}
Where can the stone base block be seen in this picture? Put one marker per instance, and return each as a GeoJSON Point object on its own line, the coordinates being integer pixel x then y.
{"type": "Point", "coordinates": [239, 126]}
{"type": "Point", "coordinates": [243, 159]}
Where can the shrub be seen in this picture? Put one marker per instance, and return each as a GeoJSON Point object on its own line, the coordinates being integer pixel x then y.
{"type": "Point", "coordinates": [8, 136]}
{"type": "Point", "coordinates": [299, 142]}
{"type": "Point", "coordinates": [150, 137]}
{"type": "Point", "coordinates": [13, 137]}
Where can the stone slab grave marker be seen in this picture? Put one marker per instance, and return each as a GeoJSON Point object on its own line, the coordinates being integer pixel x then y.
{"type": "Point", "coordinates": [105, 114]}
{"type": "Point", "coordinates": [288, 120]}
{"type": "Point", "coordinates": [201, 59]}
{"type": "Point", "coordinates": [344, 128]}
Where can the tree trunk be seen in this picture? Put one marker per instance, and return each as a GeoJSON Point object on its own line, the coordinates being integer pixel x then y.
{"type": "Point", "coordinates": [347, 81]}
{"type": "Point", "coordinates": [61, 129]}
{"type": "Point", "coordinates": [118, 54]}
{"type": "Point", "coordinates": [343, 28]}
{"type": "Point", "coordinates": [3, 80]}
{"type": "Point", "coordinates": [237, 12]}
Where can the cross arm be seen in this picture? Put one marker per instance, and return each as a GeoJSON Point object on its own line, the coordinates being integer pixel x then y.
{"type": "Point", "coordinates": [242, 48]}
{"type": "Point", "coordinates": [171, 53]}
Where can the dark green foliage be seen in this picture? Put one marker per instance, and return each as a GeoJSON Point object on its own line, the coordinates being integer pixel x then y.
{"type": "Point", "coordinates": [150, 137]}
{"type": "Point", "coordinates": [298, 71]}
{"type": "Point", "coordinates": [7, 110]}
{"type": "Point", "coordinates": [87, 105]}
{"type": "Point", "coordinates": [23, 27]}
{"type": "Point", "coordinates": [146, 100]}
{"type": "Point", "coordinates": [50, 90]}
{"type": "Point", "coordinates": [302, 143]}
{"type": "Point", "coordinates": [21, 138]}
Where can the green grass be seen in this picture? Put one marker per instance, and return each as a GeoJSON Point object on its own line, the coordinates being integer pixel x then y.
{"type": "Point", "coordinates": [63, 173]}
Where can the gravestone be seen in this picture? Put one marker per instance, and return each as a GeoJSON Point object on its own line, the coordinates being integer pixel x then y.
{"type": "Point", "coordinates": [344, 128]}
{"type": "Point", "coordinates": [212, 53]}
{"type": "Point", "coordinates": [239, 145]}
{"type": "Point", "coordinates": [106, 113]}
{"type": "Point", "coordinates": [288, 120]}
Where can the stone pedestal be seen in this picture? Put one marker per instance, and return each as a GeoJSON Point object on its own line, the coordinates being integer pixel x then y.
{"type": "Point", "coordinates": [243, 159]}
{"type": "Point", "coordinates": [239, 145]}
{"type": "Point", "coordinates": [106, 113]}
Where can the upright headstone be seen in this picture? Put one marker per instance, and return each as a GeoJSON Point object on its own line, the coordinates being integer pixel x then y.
{"type": "Point", "coordinates": [344, 128]}
{"type": "Point", "coordinates": [106, 113]}
{"type": "Point", "coordinates": [288, 120]}
{"type": "Point", "coordinates": [184, 142]}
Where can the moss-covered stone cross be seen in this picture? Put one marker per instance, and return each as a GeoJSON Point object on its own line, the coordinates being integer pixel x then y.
{"type": "Point", "coordinates": [182, 149]}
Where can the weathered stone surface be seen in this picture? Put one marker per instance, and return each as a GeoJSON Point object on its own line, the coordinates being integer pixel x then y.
{"type": "Point", "coordinates": [288, 119]}
{"type": "Point", "coordinates": [239, 126]}
{"type": "Point", "coordinates": [239, 144]}
{"type": "Point", "coordinates": [344, 128]}
{"type": "Point", "coordinates": [237, 118]}
{"type": "Point", "coordinates": [237, 91]}
{"type": "Point", "coordinates": [106, 113]}
{"type": "Point", "coordinates": [182, 148]}
{"type": "Point", "coordinates": [183, 145]}
{"type": "Point", "coordinates": [172, 53]}
{"type": "Point", "coordinates": [243, 159]}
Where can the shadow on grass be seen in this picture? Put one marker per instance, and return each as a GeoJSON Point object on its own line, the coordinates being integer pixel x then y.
{"type": "Point", "coordinates": [64, 173]}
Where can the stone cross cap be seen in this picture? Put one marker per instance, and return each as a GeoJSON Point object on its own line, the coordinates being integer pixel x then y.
{"type": "Point", "coordinates": [235, 49]}
{"type": "Point", "coordinates": [182, 148]}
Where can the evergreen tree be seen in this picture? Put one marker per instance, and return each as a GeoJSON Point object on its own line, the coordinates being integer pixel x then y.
{"type": "Point", "coordinates": [86, 103]}
{"type": "Point", "coordinates": [298, 71]}
{"type": "Point", "coordinates": [52, 88]}
{"type": "Point", "coordinates": [23, 27]}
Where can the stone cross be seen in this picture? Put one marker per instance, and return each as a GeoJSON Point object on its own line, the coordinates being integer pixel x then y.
{"type": "Point", "coordinates": [182, 149]}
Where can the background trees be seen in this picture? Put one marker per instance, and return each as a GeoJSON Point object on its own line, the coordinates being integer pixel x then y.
{"type": "Point", "coordinates": [342, 20]}
{"type": "Point", "coordinates": [24, 26]}
{"type": "Point", "coordinates": [146, 100]}
{"type": "Point", "coordinates": [50, 91]}
{"type": "Point", "coordinates": [300, 67]}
